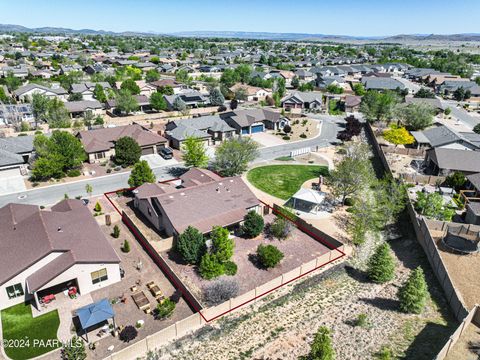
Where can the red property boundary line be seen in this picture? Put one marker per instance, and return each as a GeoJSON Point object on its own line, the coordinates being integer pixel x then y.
{"type": "Point", "coordinates": [155, 256]}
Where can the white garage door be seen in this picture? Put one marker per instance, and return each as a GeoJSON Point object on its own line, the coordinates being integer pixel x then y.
{"type": "Point", "coordinates": [11, 181]}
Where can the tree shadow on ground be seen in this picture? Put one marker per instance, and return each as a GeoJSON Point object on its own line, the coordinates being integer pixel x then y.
{"type": "Point", "coordinates": [429, 341]}
{"type": "Point", "coordinates": [383, 303]}
{"type": "Point", "coordinates": [356, 274]}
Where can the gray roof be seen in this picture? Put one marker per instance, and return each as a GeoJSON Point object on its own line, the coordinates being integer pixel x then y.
{"type": "Point", "coordinates": [454, 159]}
{"type": "Point", "coordinates": [11, 149]}
{"type": "Point", "coordinates": [83, 105]}
{"type": "Point", "coordinates": [475, 180]}
{"type": "Point", "coordinates": [304, 97]}
{"type": "Point", "coordinates": [26, 88]}
{"type": "Point", "coordinates": [440, 135]}
{"type": "Point", "coordinates": [248, 117]}
{"type": "Point", "coordinates": [381, 83]}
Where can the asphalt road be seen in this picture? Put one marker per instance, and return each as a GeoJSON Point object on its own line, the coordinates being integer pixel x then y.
{"type": "Point", "coordinates": [461, 114]}
{"type": "Point", "coordinates": [50, 195]}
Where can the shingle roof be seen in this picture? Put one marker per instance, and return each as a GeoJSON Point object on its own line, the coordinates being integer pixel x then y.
{"type": "Point", "coordinates": [380, 83]}
{"type": "Point", "coordinates": [455, 159]}
{"type": "Point", "coordinates": [29, 234]}
{"type": "Point", "coordinates": [104, 139]}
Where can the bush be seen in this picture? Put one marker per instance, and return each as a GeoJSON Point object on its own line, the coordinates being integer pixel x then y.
{"type": "Point", "coordinates": [303, 135]}
{"type": "Point", "coordinates": [220, 291]}
{"type": "Point", "coordinates": [128, 333]}
{"type": "Point", "coordinates": [191, 245]}
{"type": "Point", "coordinates": [287, 128]}
{"type": "Point", "coordinates": [165, 309]}
{"type": "Point", "coordinates": [116, 232]}
{"type": "Point", "coordinates": [74, 173]}
{"type": "Point", "coordinates": [230, 268]}
{"type": "Point", "coordinates": [413, 294]}
{"type": "Point", "coordinates": [253, 224]}
{"type": "Point", "coordinates": [349, 202]}
{"type": "Point", "coordinates": [286, 137]}
{"type": "Point", "coordinates": [210, 267]}
{"type": "Point", "coordinates": [361, 320]}
{"type": "Point", "coordinates": [269, 256]}
{"type": "Point", "coordinates": [385, 354]}
{"type": "Point", "coordinates": [126, 246]}
{"type": "Point", "coordinates": [321, 347]}
{"type": "Point", "coordinates": [381, 265]}
{"type": "Point", "coordinates": [280, 228]}
{"type": "Point", "coordinates": [74, 349]}
{"type": "Point", "coordinates": [98, 207]}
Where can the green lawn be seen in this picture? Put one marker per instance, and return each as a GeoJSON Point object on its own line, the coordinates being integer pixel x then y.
{"type": "Point", "coordinates": [30, 337]}
{"type": "Point", "coordinates": [282, 181]}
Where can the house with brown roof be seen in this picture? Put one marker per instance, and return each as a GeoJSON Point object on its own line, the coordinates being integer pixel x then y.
{"type": "Point", "coordinates": [253, 93]}
{"type": "Point", "coordinates": [45, 252]}
{"type": "Point", "coordinates": [99, 144]}
{"type": "Point", "coordinates": [200, 198]}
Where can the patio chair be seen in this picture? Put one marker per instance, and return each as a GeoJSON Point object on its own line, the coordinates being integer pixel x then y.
{"type": "Point", "coordinates": [148, 310]}
{"type": "Point", "coordinates": [150, 284]}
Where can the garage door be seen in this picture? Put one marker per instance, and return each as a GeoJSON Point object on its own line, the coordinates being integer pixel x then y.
{"type": "Point", "coordinates": [147, 151]}
{"type": "Point", "coordinates": [257, 129]}
{"type": "Point", "coordinates": [244, 130]}
{"type": "Point", "coordinates": [11, 181]}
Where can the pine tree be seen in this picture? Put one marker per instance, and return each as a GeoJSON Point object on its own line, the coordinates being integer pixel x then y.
{"type": "Point", "coordinates": [98, 207]}
{"type": "Point", "coordinates": [116, 232]}
{"type": "Point", "coordinates": [126, 246]}
{"type": "Point", "coordinates": [413, 294]}
{"type": "Point", "coordinates": [381, 265]}
{"type": "Point", "coordinates": [321, 348]}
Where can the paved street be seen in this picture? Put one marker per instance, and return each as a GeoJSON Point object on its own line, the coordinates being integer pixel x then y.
{"type": "Point", "coordinates": [461, 114]}
{"type": "Point", "coordinates": [51, 194]}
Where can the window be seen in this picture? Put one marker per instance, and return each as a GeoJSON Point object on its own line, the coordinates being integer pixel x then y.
{"type": "Point", "coordinates": [14, 291]}
{"type": "Point", "coordinates": [99, 155]}
{"type": "Point", "coordinates": [99, 276]}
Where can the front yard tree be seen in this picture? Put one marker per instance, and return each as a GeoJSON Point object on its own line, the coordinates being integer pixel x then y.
{"type": "Point", "coordinates": [216, 97]}
{"type": "Point", "coordinates": [57, 115]}
{"type": "Point", "coordinates": [99, 93]}
{"type": "Point", "coordinates": [127, 151]}
{"type": "Point", "coordinates": [416, 116]}
{"type": "Point", "coordinates": [131, 86]}
{"type": "Point", "coordinates": [74, 349]}
{"type": "Point", "coordinates": [191, 245]}
{"type": "Point", "coordinates": [398, 135]}
{"type": "Point", "coordinates": [349, 176]}
{"type": "Point", "coordinates": [378, 106]}
{"type": "Point", "coordinates": [253, 224]}
{"type": "Point", "coordinates": [233, 155]}
{"type": "Point", "coordinates": [40, 107]}
{"type": "Point", "coordinates": [126, 102]}
{"type": "Point", "coordinates": [381, 265]}
{"type": "Point", "coordinates": [321, 348]}
{"type": "Point", "coordinates": [194, 152]}
{"type": "Point", "coordinates": [269, 256]}
{"type": "Point", "coordinates": [413, 294]}
{"type": "Point", "coordinates": [158, 102]}
{"type": "Point", "coordinates": [222, 244]}
{"type": "Point", "coordinates": [141, 174]}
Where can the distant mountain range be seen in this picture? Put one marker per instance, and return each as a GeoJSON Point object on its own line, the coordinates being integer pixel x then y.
{"type": "Point", "coordinates": [247, 35]}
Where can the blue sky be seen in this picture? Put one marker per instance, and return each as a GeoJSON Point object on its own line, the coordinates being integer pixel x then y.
{"type": "Point", "coordinates": [340, 17]}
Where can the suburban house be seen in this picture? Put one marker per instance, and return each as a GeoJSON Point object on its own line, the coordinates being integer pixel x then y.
{"type": "Point", "coordinates": [80, 108]}
{"type": "Point", "coordinates": [146, 89]}
{"type": "Point", "coordinates": [210, 129]}
{"type": "Point", "coordinates": [13, 114]}
{"type": "Point", "coordinates": [444, 161]}
{"type": "Point", "coordinates": [176, 86]}
{"type": "Point", "coordinates": [381, 83]}
{"type": "Point", "coordinates": [305, 76]}
{"type": "Point", "coordinates": [443, 137]}
{"type": "Point", "coordinates": [253, 93]}
{"type": "Point", "coordinates": [15, 151]}
{"type": "Point", "coordinates": [191, 98]}
{"type": "Point", "coordinates": [26, 92]}
{"type": "Point", "coordinates": [86, 89]}
{"type": "Point", "coordinates": [352, 103]}
{"type": "Point", "coordinates": [142, 101]}
{"type": "Point", "coordinates": [254, 120]}
{"type": "Point", "coordinates": [99, 144]}
{"type": "Point", "coordinates": [48, 251]}
{"type": "Point", "coordinates": [302, 100]}
{"type": "Point", "coordinates": [172, 207]}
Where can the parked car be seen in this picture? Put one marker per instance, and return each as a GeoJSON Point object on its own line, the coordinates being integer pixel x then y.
{"type": "Point", "coordinates": [166, 153]}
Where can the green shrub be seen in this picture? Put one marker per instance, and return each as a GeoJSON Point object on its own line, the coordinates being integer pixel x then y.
{"type": "Point", "coordinates": [269, 256]}
{"type": "Point", "coordinates": [116, 232]}
{"type": "Point", "coordinates": [253, 224]}
{"type": "Point", "coordinates": [361, 320]}
{"type": "Point", "coordinates": [413, 294]}
{"type": "Point", "coordinates": [165, 309]}
{"type": "Point", "coordinates": [349, 202]}
{"type": "Point", "coordinates": [230, 268]}
{"type": "Point", "coordinates": [286, 137]}
{"type": "Point", "coordinates": [210, 267]}
{"type": "Point", "coordinates": [303, 135]}
{"type": "Point", "coordinates": [98, 207]}
{"type": "Point", "coordinates": [74, 173]}
{"type": "Point", "coordinates": [381, 265]}
{"type": "Point", "coordinates": [191, 245]}
{"type": "Point", "coordinates": [126, 246]}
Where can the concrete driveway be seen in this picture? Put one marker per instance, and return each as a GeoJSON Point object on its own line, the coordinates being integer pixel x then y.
{"type": "Point", "coordinates": [155, 160]}
{"type": "Point", "coordinates": [266, 139]}
{"type": "Point", "coordinates": [11, 181]}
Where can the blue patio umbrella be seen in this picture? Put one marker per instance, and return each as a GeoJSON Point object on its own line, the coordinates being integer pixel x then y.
{"type": "Point", "coordinates": [95, 313]}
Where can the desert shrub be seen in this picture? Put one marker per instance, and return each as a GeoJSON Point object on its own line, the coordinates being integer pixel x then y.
{"type": "Point", "coordinates": [73, 173]}
{"type": "Point", "coordinates": [253, 224]}
{"type": "Point", "coordinates": [126, 246]}
{"type": "Point", "coordinates": [98, 207]}
{"type": "Point", "coordinates": [230, 268]}
{"type": "Point", "coordinates": [128, 333]}
{"type": "Point", "coordinates": [269, 256]}
{"type": "Point", "coordinates": [280, 228]}
{"type": "Point", "coordinates": [303, 135]}
{"type": "Point", "coordinates": [349, 202]}
{"type": "Point", "coordinates": [165, 309]}
{"type": "Point", "coordinates": [211, 267]}
{"type": "Point", "coordinates": [220, 290]}
{"type": "Point", "coordinates": [116, 232]}
{"type": "Point", "coordinates": [286, 137]}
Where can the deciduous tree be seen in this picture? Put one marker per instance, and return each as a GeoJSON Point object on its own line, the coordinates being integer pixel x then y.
{"type": "Point", "coordinates": [127, 151]}
{"type": "Point", "coordinates": [194, 152]}
{"type": "Point", "coordinates": [141, 173]}
{"type": "Point", "coordinates": [233, 155]}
